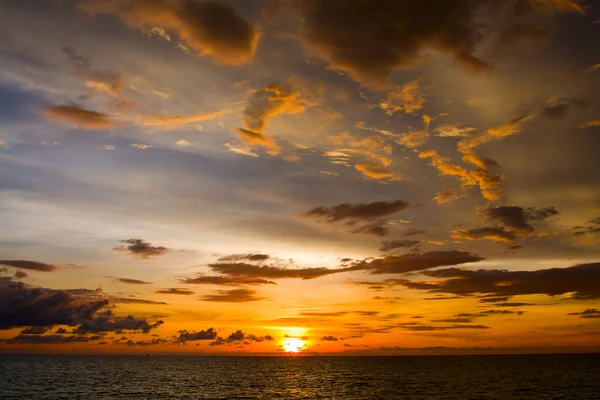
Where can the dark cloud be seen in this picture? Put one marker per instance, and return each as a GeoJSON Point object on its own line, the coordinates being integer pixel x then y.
{"type": "Point", "coordinates": [60, 331]}
{"type": "Point", "coordinates": [400, 264]}
{"type": "Point", "coordinates": [493, 299]}
{"type": "Point", "coordinates": [140, 249]}
{"type": "Point", "coordinates": [489, 313]}
{"type": "Point", "coordinates": [178, 291]}
{"type": "Point", "coordinates": [24, 306]}
{"type": "Point", "coordinates": [34, 330]}
{"type": "Point", "coordinates": [373, 229]}
{"type": "Point", "coordinates": [210, 28]}
{"type": "Point", "coordinates": [414, 232]}
{"type": "Point", "coordinates": [232, 296]}
{"type": "Point", "coordinates": [398, 244]}
{"type": "Point", "coordinates": [418, 328]}
{"type": "Point", "coordinates": [322, 313]}
{"type": "Point", "coordinates": [254, 257]}
{"type": "Point", "coordinates": [134, 300]}
{"type": "Point", "coordinates": [226, 280]}
{"type": "Point", "coordinates": [398, 32]}
{"type": "Point", "coordinates": [558, 108]}
{"type": "Point", "coordinates": [20, 275]}
{"type": "Point", "coordinates": [329, 339]}
{"type": "Point", "coordinates": [107, 322]}
{"type": "Point", "coordinates": [190, 336]}
{"type": "Point", "coordinates": [130, 281]}
{"type": "Point", "coordinates": [78, 117]}
{"type": "Point", "coordinates": [29, 265]}
{"type": "Point", "coordinates": [457, 320]}
{"type": "Point", "coordinates": [589, 313]}
{"type": "Point", "coordinates": [518, 218]}
{"type": "Point", "coordinates": [48, 339]}
{"type": "Point", "coordinates": [21, 305]}
{"type": "Point", "coordinates": [580, 280]}
{"type": "Point", "coordinates": [239, 337]}
{"type": "Point", "coordinates": [247, 270]}
{"type": "Point", "coordinates": [358, 212]}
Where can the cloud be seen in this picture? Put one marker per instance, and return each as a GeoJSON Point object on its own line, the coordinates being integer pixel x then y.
{"type": "Point", "coordinates": [254, 257]}
{"type": "Point", "coordinates": [20, 275]}
{"type": "Point", "coordinates": [448, 196]}
{"type": "Point", "coordinates": [191, 336]}
{"type": "Point", "coordinates": [375, 229]}
{"type": "Point", "coordinates": [398, 244]}
{"type": "Point", "coordinates": [246, 270]}
{"type": "Point", "coordinates": [178, 291]}
{"type": "Point", "coordinates": [419, 328]}
{"type": "Point", "coordinates": [130, 281]}
{"type": "Point", "coordinates": [453, 131]}
{"type": "Point", "coordinates": [401, 264]}
{"type": "Point", "coordinates": [134, 300]}
{"type": "Point", "coordinates": [140, 146]}
{"type": "Point", "coordinates": [399, 32]}
{"type": "Point", "coordinates": [414, 232]}
{"type": "Point", "coordinates": [34, 330]}
{"type": "Point", "coordinates": [579, 280]}
{"type": "Point", "coordinates": [239, 337]}
{"type": "Point", "coordinates": [592, 123]}
{"type": "Point", "coordinates": [29, 265]}
{"type": "Point", "coordinates": [588, 314]}
{"type": "Point", "coordinates": [329, 339]}
{"type": "Point", "coordinates": [376, 171]}
{"type": "Point", "coordinates": [232, 296]}
{"type": "Point", "coordinates": [557, 108]}
{"type": "Point", "coordinates": [107, 322]}
{"type": "Point", "coordinates": [48, 339]}
{"type": "Point", "coordinates": [111, 83]}
{"type": "Point", "coordinates": [518, 218]}
{"type": "Point", "coordinates": [490, 313]}
{"type": "Point", "coordinates": [406, 99]}
{"type": "Point", "coordinates": [174, 121]}
{"type": "Point", "coordinates": [78, 117]}
{"type": "Point", "coordinates": [226, 281]}
{"type": "Point", "coordinates": [210, 28]}
{"type": "Point", "coordinates": [140, 249]}
{"type": "Point", "coordinates": [358, 212]}
{"type": "Point", "coordinates": [269, 101]}
{"type": "Point", "coordinates": [495, 234]}
{"type": "Point", "coordinates": [240, 149]}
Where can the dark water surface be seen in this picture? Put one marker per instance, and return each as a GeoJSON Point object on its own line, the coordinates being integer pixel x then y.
{"type": "Point", "coordinates": [448, 377]}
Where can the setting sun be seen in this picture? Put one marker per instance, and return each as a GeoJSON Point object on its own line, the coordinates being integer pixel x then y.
{"type": "Point", "coordinates": [293, 345]}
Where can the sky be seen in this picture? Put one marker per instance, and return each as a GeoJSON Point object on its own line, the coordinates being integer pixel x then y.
{"type": "Point", "coordinates": [313, 177]}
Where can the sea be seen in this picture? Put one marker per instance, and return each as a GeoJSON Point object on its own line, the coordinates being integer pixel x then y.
{"type": "Point", "coordinates": [575, 376]}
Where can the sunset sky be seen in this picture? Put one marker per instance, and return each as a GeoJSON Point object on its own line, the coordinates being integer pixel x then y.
{"type": "Point", "coordinates": [323, 177]}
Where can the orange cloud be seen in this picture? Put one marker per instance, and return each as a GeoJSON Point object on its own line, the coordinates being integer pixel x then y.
{"type": "Point", "coordinates": [78, 117]}
{"type": "Point", "coordinates": [210, 28]}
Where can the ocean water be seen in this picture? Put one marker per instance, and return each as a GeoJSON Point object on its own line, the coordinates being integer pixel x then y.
{"type": "Point", "coordinates": [447, 377]}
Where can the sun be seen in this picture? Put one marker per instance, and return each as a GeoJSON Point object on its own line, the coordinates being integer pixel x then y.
{"type": "Point", "coordinates": [293, 345]}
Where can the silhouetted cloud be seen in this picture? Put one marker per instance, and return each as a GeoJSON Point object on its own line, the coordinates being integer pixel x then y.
{"type": "Point", "coordinates": [178, 291]}
{"type": "Point", "coordinates": [398, 244]}
{"type": "Point", "coordinates": [400, 264]}
{"type": "Point", "coordinates": [21, 305]}
{"type": "Point", "coordinates": [580, 280]}
{"type": "Point", "coordinates": [227, 280]}
{"type": "Point", "coordinates": [375, 229]}
{"type": "Point", "coordinates": [589, 313]}
{"type": "Point", "coordinates": [329, 339]}
{"type": "Point", "coordinates": [29, 265]}
{"type": "Point", "coordinates": [239, 337]}
{"type": "Point", "coordinates": [210, 28]}
{"type": "Point", "coordinates": [130, 281]}
{"type": "Point", "coordinates": [558, 107]}
{"type": "Point", "coordinates": [78, 117]}
{"type": "Point", "coordinates": [134, 300]}
{"type": "Point", "coordinates": [413, 232]}
{"type": "Point", "coordinates": [254, 257]}
{"type": "Point", "coordinates": [358, 212]}
{"type": "Point", "coordinates": [232, 296]}
{"type": "Point", "coordinates": [48, 339]}
{"type": "Point", "coordinates": [518, 218]}
{"type": "Point", "coordinates": [20, 275]}
{"type": "Point", "coordinates": [190, 336]}
{"type": "Point", "coordinates": [335, 30]}
{"type": "Point", "coordinates": [418, 328]}
{"type": "Point", "coordinates": [246, 270]}
{"type": "Point", "coordinates": [34, 330]}
{"type": "Point", "coordinates": [140, 249]}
